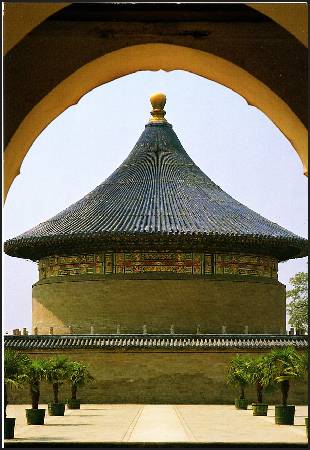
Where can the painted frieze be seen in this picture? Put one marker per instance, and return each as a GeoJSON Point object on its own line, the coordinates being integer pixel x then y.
{"type": "Point", "coordinates": [236, 264]}
{"type": "Point", "coordinates": [168, 262]}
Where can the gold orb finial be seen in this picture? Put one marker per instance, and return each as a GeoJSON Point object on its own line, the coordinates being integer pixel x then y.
{"type": "Point", "coordinates": [158, 101]}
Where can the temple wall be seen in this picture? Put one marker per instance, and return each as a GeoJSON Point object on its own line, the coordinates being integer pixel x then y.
{"type": "Point", "coordinates": [158, 301]}
{"type": "Point", "coordinates": [159, 377]}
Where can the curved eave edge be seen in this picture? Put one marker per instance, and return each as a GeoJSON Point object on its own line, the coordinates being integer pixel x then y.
{"type": "Point", "coordinates": [38, 247]}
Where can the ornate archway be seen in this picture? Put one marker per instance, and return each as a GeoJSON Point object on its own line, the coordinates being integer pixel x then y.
{"type": "Point", "coordinates": [271, 86]}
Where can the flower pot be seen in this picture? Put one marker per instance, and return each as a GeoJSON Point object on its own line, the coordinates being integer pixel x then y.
{"type": "Point", "coordinates": [56, 409]}
{"type": "Point", "coordinates": [259, 409]}
{"type": "Point", "coordinates": [241, 403]}
{"type": "Point", "coordinates": [35, 416]}
{"type": "Point", "coordinates": [306, 423]}
{"type": "Point", "coordinates": [74, 403]}
{"type": "Point", "coordinates": [9, 425]}
{"type": "Point", "coordinates": [284, 415]}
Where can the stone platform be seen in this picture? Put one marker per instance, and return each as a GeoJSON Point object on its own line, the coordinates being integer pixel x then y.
{"type": "Point", "coordinates": [143, 425]}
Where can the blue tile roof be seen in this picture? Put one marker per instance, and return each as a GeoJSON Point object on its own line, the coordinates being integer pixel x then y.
{"type": "Point", "coordinates": [158, 196]}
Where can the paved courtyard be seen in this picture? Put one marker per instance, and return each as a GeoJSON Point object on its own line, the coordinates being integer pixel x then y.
{"type": "Point", "coordinates": [131, 423]}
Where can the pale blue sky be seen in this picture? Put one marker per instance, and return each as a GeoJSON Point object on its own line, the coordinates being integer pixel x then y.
{"type": "Point", "coordinates": [235, 144]}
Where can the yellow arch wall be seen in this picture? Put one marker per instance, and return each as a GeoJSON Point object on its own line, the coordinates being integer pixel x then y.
{"type": "Point", "coordinates": [293, 17]}
{"type": "Point", "coordinates": [150, 57]}
{"type": "Point", "coordinates": [20, 18]}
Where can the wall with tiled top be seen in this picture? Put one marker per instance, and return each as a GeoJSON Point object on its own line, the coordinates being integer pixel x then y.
{"type": "Point", "coordinates": [150, 376]}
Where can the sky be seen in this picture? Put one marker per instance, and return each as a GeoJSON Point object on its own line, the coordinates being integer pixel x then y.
{"type": "Point", "coordinates": [235, 144]}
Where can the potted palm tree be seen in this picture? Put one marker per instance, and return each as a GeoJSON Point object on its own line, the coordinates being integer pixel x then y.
{"type": "Point", "coordinates": [78, 377]}
{"type": "Point", "coordinates": [238, 376]}
{"type": "Point", "coordinates": [285, 365]}
{"type": "Point", "coordinates": [35, 372]}
{"type": "Point", "coordinates": [258, 376]}
{"type": "Point", "coordinates": [14, 363]}
{"type": "Point", "coordinates": [57, 373]}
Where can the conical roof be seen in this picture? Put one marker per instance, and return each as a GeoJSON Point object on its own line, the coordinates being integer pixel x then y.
{"type": "Point", "coordinates": [158, 198]}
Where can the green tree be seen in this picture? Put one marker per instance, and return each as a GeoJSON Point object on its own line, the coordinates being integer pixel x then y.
{"type": "Point", "coordinates": [58, 371]}
{"type": "Point", "coordinates": [35, 372]}
{"type": "Point", "coordinates": [238, 373]}
{"type": "Point", "coordinates": [78, 377]}
{"type": "Point", "coordinates": [14, 369]}
{"type": "Point", "coordinates": [285, 365]}
{"type": "Point", "coordinates": [259, 375]}
{"type": "Point", "coordinates": [298, 306]}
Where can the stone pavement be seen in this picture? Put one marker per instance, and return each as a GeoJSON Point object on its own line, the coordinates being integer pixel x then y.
{"type": "Point", "coordinates": [130, 423]}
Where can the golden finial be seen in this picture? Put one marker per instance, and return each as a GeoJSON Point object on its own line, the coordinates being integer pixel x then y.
{"type": "Point", "coordinates": [158, 101]}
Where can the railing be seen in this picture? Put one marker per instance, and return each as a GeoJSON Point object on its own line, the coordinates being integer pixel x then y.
{"type": "Point", "coordinates": [80, 330]}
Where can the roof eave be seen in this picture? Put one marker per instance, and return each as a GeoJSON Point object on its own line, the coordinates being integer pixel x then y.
{"type": "Point", "coordinates": [35, 248]}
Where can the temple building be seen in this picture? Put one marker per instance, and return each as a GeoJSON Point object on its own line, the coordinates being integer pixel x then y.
{"type": "Point", "coordinates": [157, 278]}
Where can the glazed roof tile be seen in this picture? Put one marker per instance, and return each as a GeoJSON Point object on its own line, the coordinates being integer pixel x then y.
{"type": "Point", "coordinates": [158, 194]}
{"type": "Point", "coordinates": [159, 341]}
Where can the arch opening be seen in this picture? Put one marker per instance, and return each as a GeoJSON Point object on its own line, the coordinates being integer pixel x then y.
{"type": "Point", "coordinates": [215, 125]}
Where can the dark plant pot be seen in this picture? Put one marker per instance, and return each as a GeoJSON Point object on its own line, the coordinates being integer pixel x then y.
{"type": "Point", "coordinates": [9, 425]}
{"type": "Point", "coordinates": [74, 404]}
{"type": "Point", "coordinates": [241, 403]}
{"type": "Point", "coordinates": [56, 409]}
{"type": "Point", "coordinates": [306, 423]}
{"type": "Point", "coordinates": [35, 416]}
{"type": "Point", "coordinates": [284, 415]}
{"type": "Point", "coordinates": [259, 409]}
